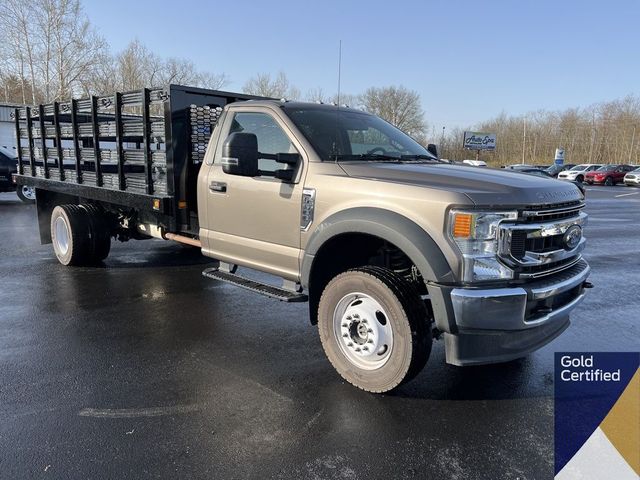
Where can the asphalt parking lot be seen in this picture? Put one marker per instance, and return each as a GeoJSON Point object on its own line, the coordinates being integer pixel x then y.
{"type": "Point", "coordinates": [144, 369]}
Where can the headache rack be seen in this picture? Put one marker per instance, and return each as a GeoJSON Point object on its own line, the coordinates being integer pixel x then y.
{"type": "Point", "coordinates": [139, 149]}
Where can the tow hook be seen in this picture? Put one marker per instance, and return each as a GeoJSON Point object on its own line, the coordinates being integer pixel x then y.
{"type": "Point", "coordinates": [587, 285]}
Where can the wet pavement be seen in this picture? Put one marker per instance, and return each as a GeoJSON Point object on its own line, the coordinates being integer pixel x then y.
{"type": "Point", "coordinates": [144, 369]}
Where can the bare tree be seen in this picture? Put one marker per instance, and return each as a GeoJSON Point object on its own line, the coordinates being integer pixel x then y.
{"type": "Point", "coordinates": [49, 45]}
{"type": "Point", "coordinates": [349, 99]}
{"type": "Point", "coordinates": [17, 44]}
{"type": "Point", "coordinates": [399, 106]}
{"type": "Point", "coordinates": [606, 132]}
{"type": "Point", "coordinates": [50, 49]}
{"type": "Point", "coordinates": [279, 87]}
{"type": "Point", "coordinates": [137, 67]}
{"type": "Point", "coordinates": [317, 95]}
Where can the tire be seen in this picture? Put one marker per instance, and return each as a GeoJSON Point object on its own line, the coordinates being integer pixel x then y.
{"type": "Point", "coordinates": [374, 328]}
{"type": "Point", "coordinates": [100, 233]}
{"type": "Point", "coordinates": [70, 235]}
{"type": "Point", "coordinates": [26, 194]}
{"type": "Point", "coordinates": [580, 178]}
{"type": "Point", "coordinates": [609, 182]}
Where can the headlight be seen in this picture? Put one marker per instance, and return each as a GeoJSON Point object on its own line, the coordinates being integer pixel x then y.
{"type": "Point", "coordinates": [476, 235]}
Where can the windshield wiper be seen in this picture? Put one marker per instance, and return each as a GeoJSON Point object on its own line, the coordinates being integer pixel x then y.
{"type": "Point", "coordinates": [367, 157]}
{"type": "Point", "coordinates": [421, 156]}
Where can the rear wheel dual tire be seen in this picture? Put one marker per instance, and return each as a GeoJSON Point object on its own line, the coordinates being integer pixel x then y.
{"type": "Point", "coordinates": [80, 235]}
{"type": "Point", "coordinates": [374, 328]}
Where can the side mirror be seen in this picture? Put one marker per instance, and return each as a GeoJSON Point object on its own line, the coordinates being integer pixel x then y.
{"type": "Point", "coordinates": [240, 155]}
{"type": "Point", "coordinates": [432, 149]}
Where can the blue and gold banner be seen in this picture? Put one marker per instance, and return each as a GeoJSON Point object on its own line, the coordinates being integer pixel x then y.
{"type": "Point", "coordinates": [597, 416]}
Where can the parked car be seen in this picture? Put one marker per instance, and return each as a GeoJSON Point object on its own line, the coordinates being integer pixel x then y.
{"type": "Point", "coordinates": [541, 172]}
{"type": "Point", "coordinates": [475, 163]}
{"type": "Point", "coordinates": [632, 178]}
{"type": "Point", "coordinates": [9, 167]}
{"type": "Point", "coordinates": [577, 173]}
{"type": "Point", "coordinates": [555, 169]}
{"type": "Point", "coordinates": [519, 166]}
{"type": "Point", "coordinates": [608, 175]}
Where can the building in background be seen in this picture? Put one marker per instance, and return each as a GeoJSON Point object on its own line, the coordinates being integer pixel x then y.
{"type": "Point", "coordinates": [7, 125]}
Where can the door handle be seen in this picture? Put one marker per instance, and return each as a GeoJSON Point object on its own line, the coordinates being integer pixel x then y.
{"type": "Point", "coordinates": [218, 187]}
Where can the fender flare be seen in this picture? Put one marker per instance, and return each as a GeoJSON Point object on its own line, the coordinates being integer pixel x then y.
{"type": "Point", "coordinates": [397, 229]}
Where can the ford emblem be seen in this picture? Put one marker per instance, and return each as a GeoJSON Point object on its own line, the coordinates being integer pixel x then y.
{"type": "Point", "coordinates": [572, 237]}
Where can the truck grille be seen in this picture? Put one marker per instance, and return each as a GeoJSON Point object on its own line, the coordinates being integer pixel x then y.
{"type": "Point", "coordinates": [520, 244]}
{"type": "Point", "coordinates": [534, 246]}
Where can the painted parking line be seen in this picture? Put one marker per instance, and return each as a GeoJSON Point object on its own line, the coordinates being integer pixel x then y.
{"type": "Point", "coordinates": [627, 194]}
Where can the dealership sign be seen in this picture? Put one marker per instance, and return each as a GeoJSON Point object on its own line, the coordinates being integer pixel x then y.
{"type": "Point", "coordinates": [479, 141]}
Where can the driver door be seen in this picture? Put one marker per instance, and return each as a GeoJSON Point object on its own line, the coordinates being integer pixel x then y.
{"type": "Point", "coordinates": [255, 221]}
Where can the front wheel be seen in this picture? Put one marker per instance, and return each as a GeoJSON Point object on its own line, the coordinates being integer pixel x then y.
{"type": "Point", "coordinates": [26, 194]}
{"type": "Point", "coordinates": [580, 179]}
{"type": "Point", "coordinates": [374, 328]}
{"type": "Point", "coordinates": [608, 182]}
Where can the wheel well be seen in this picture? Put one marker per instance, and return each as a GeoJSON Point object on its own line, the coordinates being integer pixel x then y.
{"type": "Point", "coordinates": [351, 250]}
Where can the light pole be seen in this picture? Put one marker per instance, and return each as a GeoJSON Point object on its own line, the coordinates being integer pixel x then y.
{"type": "Point", "coordinates": [524, 137]}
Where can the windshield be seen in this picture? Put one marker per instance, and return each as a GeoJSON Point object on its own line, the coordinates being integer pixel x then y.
{"type": "Point", "coordinates": [580, 167]}
{"type": "Point", "coordinates": [350, 135]}
{"type": "Point", "coordinates": [636, 170]}
{"type": "Point", "coordinates": [607, 168]}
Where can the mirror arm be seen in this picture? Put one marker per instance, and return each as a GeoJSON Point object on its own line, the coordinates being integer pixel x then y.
{"type": "Point", "coordinates": [284, 175]}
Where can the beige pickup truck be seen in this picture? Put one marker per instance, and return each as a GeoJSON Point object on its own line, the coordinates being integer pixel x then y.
{"type": "Point", "coordinates": [391, 247]}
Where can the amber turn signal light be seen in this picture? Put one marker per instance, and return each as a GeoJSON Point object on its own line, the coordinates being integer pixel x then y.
{"type": "Point", "coordinates": [462, 225]}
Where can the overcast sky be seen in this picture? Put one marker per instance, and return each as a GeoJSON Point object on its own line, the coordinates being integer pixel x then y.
{"type": "Point", "coordinates": [468, 60]}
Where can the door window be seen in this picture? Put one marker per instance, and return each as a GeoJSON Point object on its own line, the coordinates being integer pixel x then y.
{"type": "Point", "coordinates": [271, 138]}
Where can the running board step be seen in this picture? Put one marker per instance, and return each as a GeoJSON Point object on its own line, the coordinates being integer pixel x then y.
{"type": "Point", "coordinates": [263, 288]}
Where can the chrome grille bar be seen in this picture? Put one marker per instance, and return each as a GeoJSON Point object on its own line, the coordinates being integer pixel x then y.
{"type": "Point", "coordinates": [542, 260]}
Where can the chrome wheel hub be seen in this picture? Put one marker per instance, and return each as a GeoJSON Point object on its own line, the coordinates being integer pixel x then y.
{"type": "Point", "coordinates": [29, 192]}
{"type": "Point", "coordinates": [62, 235]}
{"type": "Point", "coordinates": [363, 331]}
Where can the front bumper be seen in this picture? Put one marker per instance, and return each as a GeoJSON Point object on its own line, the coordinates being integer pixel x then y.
{"type": "Point", "coordinates": [501, 324]}
{"type": "Point", "coordinates": [632, 181]}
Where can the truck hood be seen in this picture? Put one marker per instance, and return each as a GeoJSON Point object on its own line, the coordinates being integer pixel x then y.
{"type": "Point", "coordinates": [483, 186]}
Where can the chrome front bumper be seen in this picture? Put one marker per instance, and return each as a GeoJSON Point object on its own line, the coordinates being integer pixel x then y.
{"type": "Point", "coordinates": [496, 325]}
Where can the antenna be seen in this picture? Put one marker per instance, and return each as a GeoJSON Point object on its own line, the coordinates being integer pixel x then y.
{"type": "Point", "coordinates": [335, 141]}
{"type": "Point", "coordinates": [339, 70]}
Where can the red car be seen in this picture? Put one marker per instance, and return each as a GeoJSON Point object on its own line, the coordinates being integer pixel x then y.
{"type": "Point", "coordinates": [608, 175]}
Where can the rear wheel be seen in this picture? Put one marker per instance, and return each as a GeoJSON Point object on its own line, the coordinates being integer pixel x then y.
{"type": "Point", "coordinates": [26, 194]}
{"type": "Point", "coordinates": [80, 234]}
{"type": "Point", "coordinates": [608, 182]}
{"type": "Point", "coordinates": [70, 235]}
{"type": "Point", "coordinates": [100, 232]}
{"type": "Point", "coordinates": [374, 328]}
